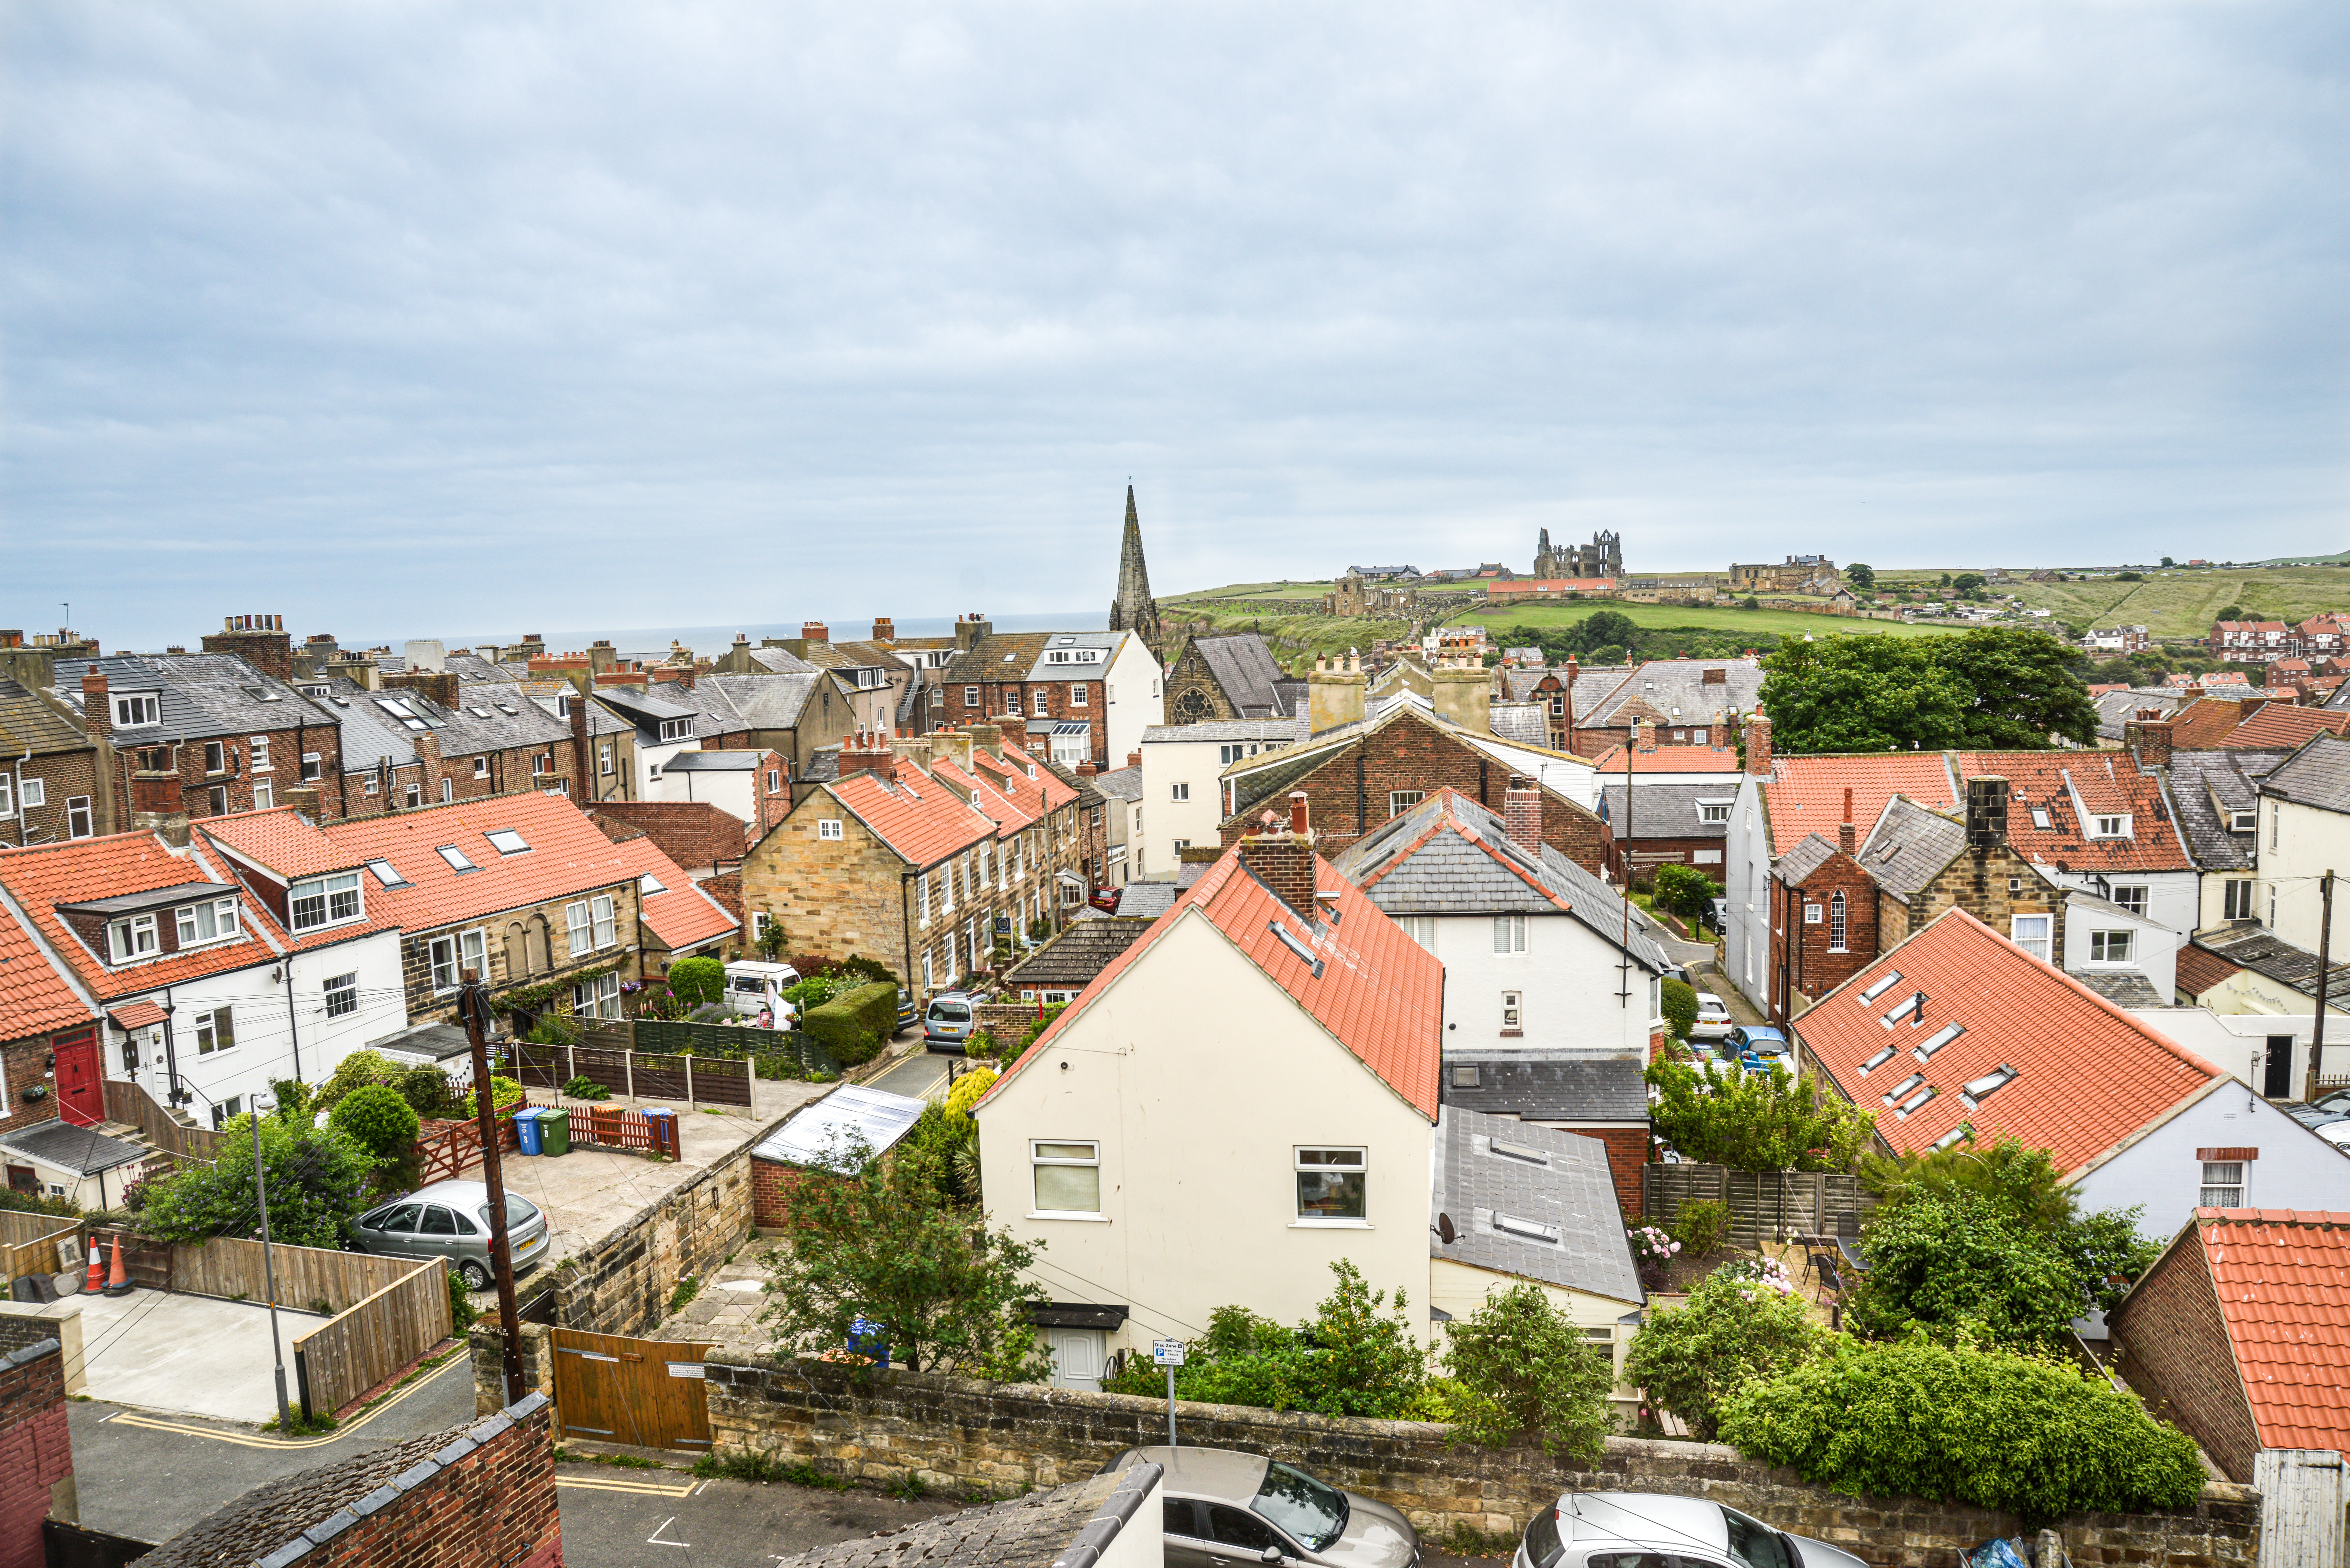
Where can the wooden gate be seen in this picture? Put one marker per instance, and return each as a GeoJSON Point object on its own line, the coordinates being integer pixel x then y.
{"type": "Point", "coordinates": [645, 1392]}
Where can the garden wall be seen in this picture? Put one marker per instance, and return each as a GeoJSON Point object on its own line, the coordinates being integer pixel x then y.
{"type": "Point", "coordinates": [963, 1435]}
{"type": "Point", "coordinates": [623, 1283]}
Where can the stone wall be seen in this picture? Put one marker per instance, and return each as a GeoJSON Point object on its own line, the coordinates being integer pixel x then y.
{"type": "Point", "coordinates": [964, 1436]}
{"type": "Point", "coordinates": [623, 1283]}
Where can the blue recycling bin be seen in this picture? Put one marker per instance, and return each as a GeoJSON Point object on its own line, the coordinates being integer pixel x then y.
{"type": "Point", "coordinates": [662, 1121]}
{"type": "Point", "coordinates": [525, 1121]}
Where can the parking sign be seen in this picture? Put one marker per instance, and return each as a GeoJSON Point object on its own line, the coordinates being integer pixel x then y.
{"type": "Point", "coordinates": [1167, 1353]}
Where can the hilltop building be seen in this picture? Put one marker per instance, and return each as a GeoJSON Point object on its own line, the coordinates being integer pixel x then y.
{"type": "Point", "coordinates": [1602, 558]}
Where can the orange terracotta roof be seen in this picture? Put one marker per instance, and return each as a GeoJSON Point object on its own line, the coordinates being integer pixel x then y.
{"type": "Point", "coordinates": [83, 869]}
{"type": "Point", "coordinates": [681, 915]}
{"type": "Point", "coordinates": [1044, 794]}
{"type": "Point", "coordinates": [1380, 993]}
{"type": "Point", "coordinates": [136, 1015]}
{"type": "Point", "coordinates": [2284, 724]}
{"type": "Point", "coordinates": [2204, 723]}
{"type": "Point", "coordinates": [1806, 794]}
{"type": "Point", "coordinates": [921, 817]}
{"type": "Point", "coordinates": [2283, 1278]}
{"type": "Point", "coordinates": [2201, 970]}
{"type": "Point", "coordinates": [2106, 783]}
{"type": "Point", "coordinates": [281, 841]}
{"type": "Point", "coordinates": [567, 853]}
{"type": "Point", "coordinates": [991, 801]}
{"type": "Point", "coordinates": [2087, 1074]}
{"type": "Point", "coordinates": [1671, 760]}
{"type": "Point", "coordinates": [34, 997]}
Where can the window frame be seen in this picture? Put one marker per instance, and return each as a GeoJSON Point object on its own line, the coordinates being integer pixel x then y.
{"type": "Point", "coordinates": [1181, 791]}
{"type": "Point", "coordinates": [578, 928]}
{"type": "Point", "coordinates": [341, 994]}
{"type": "Point", "coordinates": [215, 757]}
{"type": "Point", "coordinates": [186, 919]}
{"type": "Point", "coordinates": [137, 710]}
{"type": "Point", "coordinates": [1513, 1011]}
{"type": "Point", "coordinates": [605, 912]}
{"type": "Point", "coordinates": [829, 827]}
{"type": "Point", "coordinates": [211, 1037]}
{"type": "Point", "coordinates": [256, 755]}
{"type": "Point", "coordinates": [1300, 1168]}
{"type": "Point", "coordinates": [2112, 946]}
{"type": "Point", "coordinates": [328, 889]}
{"type": "Point", "coordinates": [1509, 936]}
{"type": "Point", "coordinates": [1039, 1161]}
{"type": "Point", "coordinates": [1402, 800]}
{"type": "Point", "coordinates": [2237, 900]}
{"type": "Point", "coordinates": [2242, 1187]}
{"type": "Point", "coordinates": [2046, 940]}
{"type": "Point", "coordinates": [122, 939]}
{"type": "Point", "coordinates": [80, 821]}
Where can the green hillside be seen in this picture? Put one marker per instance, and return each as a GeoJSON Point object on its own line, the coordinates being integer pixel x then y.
{"type": "Point", "coordinates": [1783, 623]}
{"type": "Point", "coordinates": [2186, 603]}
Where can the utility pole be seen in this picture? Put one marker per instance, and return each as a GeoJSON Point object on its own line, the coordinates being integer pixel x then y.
{"type": "Point", "coordinates": [269, 1276]}
{"type": "Point", "coordinates": [1624, 954]}
{"type": "Point", "coordinates": [474, 1005]}
{"type": "Point", "coordinates": [2324, 951]}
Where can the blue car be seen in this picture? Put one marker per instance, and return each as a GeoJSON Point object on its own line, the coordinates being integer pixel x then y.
{"type": "Point", "coordinates": [1757, 1039]}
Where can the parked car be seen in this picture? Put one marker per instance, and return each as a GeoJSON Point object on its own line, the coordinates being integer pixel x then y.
{"type": "Point", "coordinates": [1649, 1529]}
{"type": "Point", "coordinates": [2338, 1101]}
{"type": "Point", "coordinates": [1713, 1020]}
{"type": "Point", "coordinates": [755, 986]}
{"type": "Point", "coordinates": [910, 1008]}
{"type": "Point", "coordinates": [452, 1220]}
{"type": "Point", "coordinates": [1758, 1038]}
{"type": "Point", "coordinates": [947, 1021]}
{"type": "Point", "coordinates": [1224, 1508]}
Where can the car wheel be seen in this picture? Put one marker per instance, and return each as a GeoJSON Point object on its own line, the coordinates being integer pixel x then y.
{"type": "Point", "coordinates": [476, 1275]}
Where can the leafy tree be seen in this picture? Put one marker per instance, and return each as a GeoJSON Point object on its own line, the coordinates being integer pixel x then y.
{"type": "Point", "coordinates": [1861, 693]}
{"type": "Point", "coordinates": [317, 1179]}
{"type": "Point", "coordinates": [293, 1097]}
{"type": "Point", "coordinates": [1679, 1002]}
{"type": "Point", "coordinates": [2041, 1438]}
{"type": "Point", "coordinates": [1968, 583]}
{"type": "Point", "coordinates": [1682, 890]}
{"type": "Point", "coordinates": [2169, 562]}
{"type": "Point", "coordinates": [2233, 612]}
{"type": "Point", "coordinates": [697, 981]}
{"type": "Point", "coordinates": [378, 1119]}
{"type": "Point", "coordinates": [2021, 690]}
{"type": "Point", "coordinates": [1861, 575]}
{"type": "Point", "coordinates": [1946, 579]}
{"type": "Point", "coordinates": [1732, 1332]}
{"type": "Point", "coordinates": [1528, 1375]}
{"type": "Point", "coordinates": [359, 1068]}
{"type": "Point", "coordinates": [1610, 653]}
{"type": "Point", "coordinates": [1754, 1121]}
{"type": "Point", "coordinates": [1750, 602]}
{"type": "Point", "coordinates": [867, 1244]}
{"type": "Point", "coordinates": [1603, 628]}
{"type": "Point", "coordinates": [1957, 1267]}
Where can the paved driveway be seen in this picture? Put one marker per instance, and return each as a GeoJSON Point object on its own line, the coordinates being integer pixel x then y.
{"type": "Point", "coordinates": [190, 1355]}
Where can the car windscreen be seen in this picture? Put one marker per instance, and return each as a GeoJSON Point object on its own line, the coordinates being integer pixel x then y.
{"type": "Point", "coordinates": [1313, 1511]}
{"type": "Point", "coordinates": [951, 1011]}
{"type": "Point", "coordinates": [519, 1211]}
{"type": "Point", "coordinates": [1543, 1544]}
{"type": "Point", "coordinates": [1755, 1543]}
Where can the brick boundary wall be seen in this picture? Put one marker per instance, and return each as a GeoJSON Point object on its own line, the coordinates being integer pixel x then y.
{"type": "Point", "coordinates": [962, 1435]}
{"type": "Point", "coordinates": [36, 1474]}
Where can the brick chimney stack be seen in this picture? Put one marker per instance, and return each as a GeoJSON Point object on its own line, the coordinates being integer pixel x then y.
{"type": "Point", "coordinates": [1283, 859]}
{"type": "Point", "coordinates": [1522, 814]}
{"type": "Point", "coordinates": [96, 714]}
{"type": "Point", "coordinates": [1844, 829]}
{"type": "Point", "coordinates": [1758, 747]}
{"type": "Point", "coordinates": [585, 789]}
{"type": "Point", "coordinates": [885, 628]}
{"type": "Point", "coordinates": [868, 751]}
{"type": "Point", "coordinates": [261, 640]}
{"type": "Point", "coordinates": [2148, 739]}
{"type": "Point", "coordinates": [815, 631]}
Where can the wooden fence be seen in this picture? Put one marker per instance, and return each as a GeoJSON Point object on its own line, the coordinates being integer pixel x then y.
{"type": "Point", "coordinates": [448, 1149]}
{"type": "Point", "coordinates": [132, 1105]}
{"type": "Point", "coordinates": [695, 1079]}
{"type": "Point", "coordinates": [306, 1277]}
{"type": "Point", "coordinates": [1764, 1206]}
{"type": "Point", "coordinates": [28, 1243]}
{"type": "Point", "coordinates": [376, 1338]}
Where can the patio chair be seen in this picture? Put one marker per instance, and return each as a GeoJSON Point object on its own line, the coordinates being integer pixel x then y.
{"type": "Point", "coordinates": [1831, 1281]}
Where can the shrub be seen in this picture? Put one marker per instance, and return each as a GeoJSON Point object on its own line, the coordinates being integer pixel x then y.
{"type": "Point", "coordinates": [853, 1025]}
{"type": "Point", "coordinates": [359, 1068]}
{"type": "Point", "coordinates": [1526, 1375]}
{"type": "Point", "coordinates": [318, 1176]}
{"type": "Point", "coordinates": [378, 1119]}
{"type": "Point", "coordinates": [505, 1094]}
{"type": "Point", "coordinates": [462, 1311]}
{"type": "Point", "coordinates": [697, 981]}
{"type": "Point", "coordinates": [294, 1102]}
{"type": "Point", "coordinates": [1702, 1227]}
{"type": "Point", "coordinates": [1955, 1266]}
{"type": "Point", "coordinates": [1755, 1121]}
{"type": "Point", "coordinates": [815, 991]}
{"type": "Point", "coordinates": [2035, 1436]}
{"type": "Point", "coordinates": [1689, 1360]}
{"type": "Point", "coordinates": [1683, 891]}
{"type": "Point", "coordinates": [426, 1090]}
{"type": "Point", "coordinates": [584, 1087]}
{"type": "Point", "coordinates": [967, 1090]}
{"type": "Point", "coordinates": [1680, 1004]}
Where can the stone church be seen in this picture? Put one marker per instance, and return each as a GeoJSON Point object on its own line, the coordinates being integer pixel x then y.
{"type": "Point", "coordinates": [1134, 609]}
{"type": "Point", "coordinates": [1602, 558]}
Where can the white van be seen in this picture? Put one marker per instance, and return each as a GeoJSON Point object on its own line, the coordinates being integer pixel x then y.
{"type": "Point", "coordinates": [755, 986]}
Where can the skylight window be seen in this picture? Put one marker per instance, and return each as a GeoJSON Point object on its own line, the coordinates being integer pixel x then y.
{"type": "Point", "coordinates": [507, 841]}
{"type": "Point", "coordinates": [1525, 1230]}
{"type": "Point", "coordinates": [1874, 1062]}
{"type": "Point", "coordinates": [386, 875]}
{"type": "Point", "coordinates": [1904, 1086]}
{"type": "Point", "coordinates": [1518, 1151]}
{"type": "Point", "coordinates": [1939, 1038]}
{"type": "Point", "coordinates": [2039, 817]}
{"type": "Point", "coordinates": [1892, 979]}
{"type": "Point", "coordinates": [456, 858]}
{"type": "Point", "coordinates": [1978, 1090]}
{"type": "Point", "coordinates": [1915, 1102]}
{"type": "Point", "coordinates": [1912, 1006]}
{"type": "Point", "coordinates": [479, 712]}
{"type": "Point", "coordinates": [1295, 944]}
{"type": "Point", "coordinates": [1953, 1136]}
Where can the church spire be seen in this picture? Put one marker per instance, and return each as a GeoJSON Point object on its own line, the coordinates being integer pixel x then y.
{"type": "Point", "coordinates": [1134, 611]}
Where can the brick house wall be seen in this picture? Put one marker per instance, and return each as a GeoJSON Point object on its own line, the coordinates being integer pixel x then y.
{"type": "Point", "coordinates": [692, 833]}
{"type": "Point", "coordinates": [526, 946]}
{"type": "Point", "coordinates": [1348, 794]}
{"type": "Point", "coordinates": [36, 1476]}
{"type": "Point", "coordinates": [73, 807]}
{"type": "Point", "coordinates": [1647, 853]}
{"type": "Point", "coordinates": [2174, 1350]}
{"type": "Point", "coordinates": [24, 1064]}
{"type": "Point", "coordinates": [1811, 966]}
{"type": "Point", "coordinates": [475, 775]}
{"type": "Point", "coordinates": [1038, 699]}
{"type": "Point", "coordinates": [175, 777]}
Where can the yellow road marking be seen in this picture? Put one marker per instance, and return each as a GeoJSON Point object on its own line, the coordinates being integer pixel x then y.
{"type": "Point", "coordinates": [255, 1440]}
{"type": "Point", "coordinates": [653, 1489]}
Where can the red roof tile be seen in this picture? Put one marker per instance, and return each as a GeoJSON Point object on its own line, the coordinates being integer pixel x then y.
{"type": "Point", "coordinates": [2106, 782]}
{"type": "Point", "coordinates": [567, 853]}
{"type": "Point", "coordinates": [137, 1016]}
{"type": "Point", "coordinates": [2201, 969]}
{"type": "Point", "coordinates": [34, 998]}
{"type": "Point", "coordinates": [682, 914]}
{"type": "Point", "coordinates": [1669, 760]}
{"type": "Point", "coordinates": [282, 841]}
{"type": "Point", "coordinates": [83, 869]}
{"type": "Point", "coordinates": [1806, 794]}
{"type": "Point", "coordinates": [2284, 724]}
{"type": "Point", "coordinates": [1380, 993]}
{"type": "Point", "coordinates": [2087, 1074]}
{"type": "Point", "coordinates": [2204, 723]}
{"type": "Point", "coordinates": [2283, 1282]}
{"type": "Point", "coordinates": [984, 796]}
{"type": "Point", "coordinates": [921, 817]}
{"type": "Point", "coordinates": [1024, 791]}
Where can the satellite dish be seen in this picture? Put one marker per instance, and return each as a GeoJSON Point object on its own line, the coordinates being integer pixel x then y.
{"type": "Point", "coordinates": [1444, 1231]}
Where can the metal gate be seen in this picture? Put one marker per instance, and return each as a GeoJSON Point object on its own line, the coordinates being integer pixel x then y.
{"type": "Point", "coordinates": [645, 1392]}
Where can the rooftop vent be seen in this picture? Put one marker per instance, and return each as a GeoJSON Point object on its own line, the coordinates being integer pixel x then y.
{"type": "Point", "coordinates": [1519, 1152]}
{"type": "Point", "coordinates": [1912, 1007]}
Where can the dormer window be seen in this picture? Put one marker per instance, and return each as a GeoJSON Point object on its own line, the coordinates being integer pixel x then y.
{"type": "Point", "coordinates": [131, 938]}
{"type": "Point", "coordinates": [2244, 821]}
{"type": "Point", "coordinates": [212, 921]}
{"type": "Point", "coordinates": [133, 709]}
{"type": "Point", "coordinates": [322, 901]}
{"type": "Point", "coordinates": [677, 729]}
{"type": "Point", "coordinates": [1713, 811]}
{"type": "Point", "coordinates": [2110, 827]}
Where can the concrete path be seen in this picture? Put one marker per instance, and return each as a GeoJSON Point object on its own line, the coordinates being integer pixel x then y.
{"type": "Point", "coordinates": [190, 1355]}
{"type": "Point", "coordinates": [726, 1309]}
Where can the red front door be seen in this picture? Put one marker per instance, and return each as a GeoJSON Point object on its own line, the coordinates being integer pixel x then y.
{"type": "Point", "coordinates": [81, 1095]}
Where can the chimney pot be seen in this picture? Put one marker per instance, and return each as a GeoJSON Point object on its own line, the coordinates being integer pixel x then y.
{"type": "Point", "coordinates": [1298, 814]}
{"type": "Point", "coordinates": [1845, 836]}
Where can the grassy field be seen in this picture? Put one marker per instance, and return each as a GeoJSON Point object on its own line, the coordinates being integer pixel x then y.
{"type": "Point", "coordinates": [1786, 623]}
{"type": "Point", "coordinates": [2181, 603]}
{"type": "Point", "coordinates": [1256, 591]}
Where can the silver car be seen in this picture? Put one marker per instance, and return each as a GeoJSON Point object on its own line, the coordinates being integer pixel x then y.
{"type": "Point", "coordinates": [1655, 1530]}
{"type": "Point", "coordinates": [452, 1220]}
{"type": "Point", "coordinates": [1225, 1509]}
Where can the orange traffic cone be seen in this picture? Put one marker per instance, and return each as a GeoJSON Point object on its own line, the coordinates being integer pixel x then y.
{"type": "Point", "coordinates": [94, 1280]}
{"type": "Point", "coordinates": [118, 1282]}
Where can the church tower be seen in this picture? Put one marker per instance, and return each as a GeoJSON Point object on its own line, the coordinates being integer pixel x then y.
{"type": "Point", "coordinates": [1134, 611]}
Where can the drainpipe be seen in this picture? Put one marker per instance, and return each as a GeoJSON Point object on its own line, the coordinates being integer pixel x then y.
{"type": "Point", "coordinates": [16, 801]}
{"type": "Point", "coordinates": [171, 1052]}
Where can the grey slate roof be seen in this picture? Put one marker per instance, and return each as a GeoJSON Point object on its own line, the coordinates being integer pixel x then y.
{"type": "Point", "coordinates": [2117, 708]}
{"type": "Point", "coordinates": [69, 1148]}
{"type": "Point", "coordinates": [1071, 960]}
{"type": "Point", "coordinates": [1666, 684]}
{"type": "Point", "coordinates": [1244, 667]}
{"type": "Point", "coordinates": [823, 766]}
{"type": "Point", "coordinates": [2256, 948]}
{"type": "Point", "coordinates": [1278, 732]}
{"type": "Point", "coordinates": [781, 661]}
{"type": "Point", "coordinates": [715, 762]}
{"type": "Point", "coordinates": [1095, 670]}
{"type": "Point", "coordinates": [201, 694]}
{"type": "Point", "coordinates": [2122, 987]}
{"type": "Point", "coordinates": [1542, 1176]}
{"type": "Point", "coordinates": [1121, 783]}
{"type": "Point", "coordinates": [1527, 723]}
{"type": "Point", "coordinates": [1600, 908]}
{"type": "Point", "coordinates": [1811, 852]}
{"type": "Point", "coordinates": [1070, 1526]}
{"type": "Point", "coordinates": [1667, 810]}
{"type": "Point", "coordinates": [2317, 776]}
{"type": "Point", "coordinates": [649, 709]}
{"type": "Point", "coordinates": [1147, 900]}
{"type": "Point", "coordinates": [2205, 786]}
{"type": "Point", "coordinates": [1546, 1086]}
{"type": "Point", "coordinates": [761, 701]}
{"type": "Point", "coordinates": [1908, 847]}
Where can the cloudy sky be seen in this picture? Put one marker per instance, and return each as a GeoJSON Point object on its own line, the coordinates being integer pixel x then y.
{"type": "Point", "coordinates": [416, 318]}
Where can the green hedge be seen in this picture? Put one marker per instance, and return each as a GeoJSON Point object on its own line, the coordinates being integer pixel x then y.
{"type": "Point", "coordinates": [853, 1025]}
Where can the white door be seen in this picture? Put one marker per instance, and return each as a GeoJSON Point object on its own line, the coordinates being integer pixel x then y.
{"type": "Point", "coordinates": [1078, 1356]}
